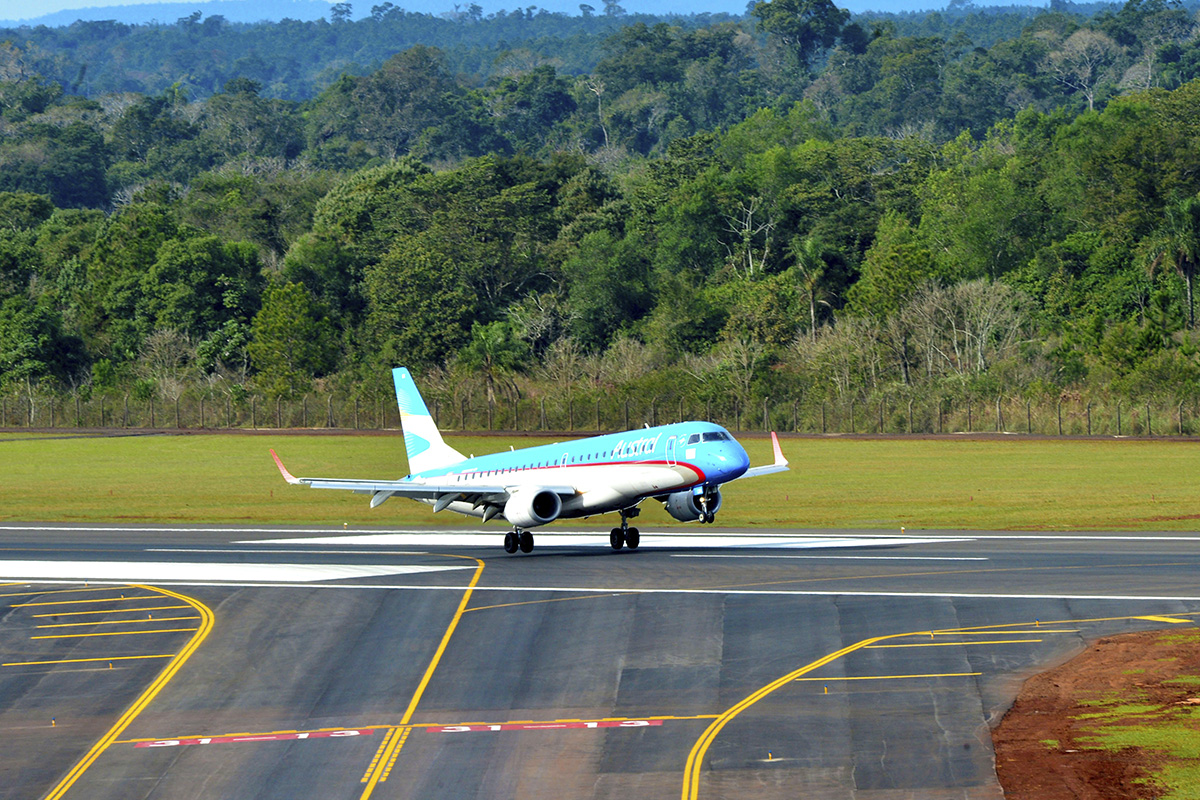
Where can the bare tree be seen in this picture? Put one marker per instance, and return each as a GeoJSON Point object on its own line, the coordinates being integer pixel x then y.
{"type": "Point", "coordinates": [1083, 61]}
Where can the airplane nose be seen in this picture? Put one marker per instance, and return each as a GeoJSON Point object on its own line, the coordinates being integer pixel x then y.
{"type": "Point", "coordinates": [734, 461]}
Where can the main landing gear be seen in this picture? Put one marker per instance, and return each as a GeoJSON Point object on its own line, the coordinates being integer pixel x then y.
{"type": "Point", "coordinates": [625, 536]}
{"type": "Point", "coordinates": [518, 539]}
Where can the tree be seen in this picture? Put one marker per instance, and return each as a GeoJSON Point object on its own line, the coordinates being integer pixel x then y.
{"type": "Point", "coordinates": [804, 26]}
{"type": "Point", "coordinates": [808, 253]}
{"type": "Point", "coordinates": [894, 269]}
{"type": "Point", "coordinates": [419, 310]}
{"type": "Point", "coordinates": [495, 351]}
{"type": "Point", "coordinates": [292, 341]}
{"type": "Point", "coordinates": [1176, 245]}
{"type": "Point", "coordinates": [1083, 61]}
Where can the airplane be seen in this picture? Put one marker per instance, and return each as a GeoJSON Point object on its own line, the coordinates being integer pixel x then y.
{"type": "Point", "coordinates": [682, 465]}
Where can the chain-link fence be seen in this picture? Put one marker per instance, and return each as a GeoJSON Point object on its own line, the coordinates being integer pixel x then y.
{"type": "Point", "coordinates": [603, 412]}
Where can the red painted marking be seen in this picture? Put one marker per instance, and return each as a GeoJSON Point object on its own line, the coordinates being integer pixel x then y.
{"type": "Point", "coordinates": [271, 737]}
{"type": "Point", "coordinates": [545, 726]}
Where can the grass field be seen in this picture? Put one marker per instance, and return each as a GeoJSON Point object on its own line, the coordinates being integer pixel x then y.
{"type": "Point", "coordinates": [1008, 484]}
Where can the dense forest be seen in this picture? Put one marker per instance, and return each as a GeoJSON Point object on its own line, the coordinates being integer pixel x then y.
{"type": "Point", "coordinates": [794, 205]}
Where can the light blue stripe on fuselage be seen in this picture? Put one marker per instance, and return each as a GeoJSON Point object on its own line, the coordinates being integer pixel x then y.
{"type": "Point", "coordinates": [647, 444]}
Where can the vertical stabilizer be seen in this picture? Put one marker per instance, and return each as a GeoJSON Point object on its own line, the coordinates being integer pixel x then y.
{"type": "Point", "coordinates": [422, 440]}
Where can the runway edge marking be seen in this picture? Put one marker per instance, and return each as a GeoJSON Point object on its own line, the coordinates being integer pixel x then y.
{"type": "Point", "coordinates": [164, 677]}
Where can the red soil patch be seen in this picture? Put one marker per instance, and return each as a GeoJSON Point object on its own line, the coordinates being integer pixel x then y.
{"type": "Point", "coordinates": [1040, 754]}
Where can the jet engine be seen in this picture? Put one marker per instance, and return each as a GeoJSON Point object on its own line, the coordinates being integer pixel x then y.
{"type": "Point", "coordinates": [685, 506]}
{"type": "Point", "coordinates": [528, 508]}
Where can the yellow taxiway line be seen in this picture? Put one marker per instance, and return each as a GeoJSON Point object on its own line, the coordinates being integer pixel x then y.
{"type": "Point", "coordinates": [151, 692]}
{"type": "Point", "coordinates": [386, 756]}
{"type": "Point", "coordinates": [695, 759]}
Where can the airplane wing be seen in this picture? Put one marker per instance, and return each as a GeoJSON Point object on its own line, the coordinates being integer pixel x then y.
{"type": "Point", "coordinates": [780, 465]}
{"type": "Point", "coordinates": [442, 495]}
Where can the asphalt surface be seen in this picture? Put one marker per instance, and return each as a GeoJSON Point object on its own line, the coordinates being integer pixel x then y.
{"type": "Point", "coordinates": [248, 663]}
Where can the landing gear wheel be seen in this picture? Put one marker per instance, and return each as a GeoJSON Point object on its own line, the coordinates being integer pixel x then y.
{"type": "Point", "coordinates": [525, 541]}
{"type": "Point", "coordinates": [616, 538]}
{"type": "Point", "coordinates": [709, 517]}
{"type": "Point", "coordinates": [510, 542]}
{"type": "Point", "coordinates": [632, 538]}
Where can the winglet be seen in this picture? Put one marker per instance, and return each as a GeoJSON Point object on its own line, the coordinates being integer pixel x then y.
{"type": "Point", "coordinates": [287, 476]}
{"type": "Point", "coordinates": [780, 461]}
{"type": "Point", "coordinates": [780, 465]}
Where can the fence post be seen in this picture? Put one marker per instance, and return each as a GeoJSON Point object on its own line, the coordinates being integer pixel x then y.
{"type": "Point", "coordinates": [1149, 430]}
{"type": "Point", "coordinates": [329, 412]}
{"type": "Point", "coordinates": [78, 416]}
{"type": "Point", "coordinates": [881, 417]}
{"type": "Point", "coordinates": [124, 413]}
{"type": "Point", "coordinates": [278, 412]}
{"type": "Point", "coordinates": [303, 412]}
{"type": "Point", "coordinates": [822, 417]}
{"type": "Point", "coordinates": [201, 412]}
{"type": "Point", "coordinates": [766, 415]}
{"type": "Point", "coordinates": [152, 419]}
{"type": "Point", "coordinates": [852, 416]}
{"type": "Point", "coordinates": [999, 416]}
{"type": "Point", "coordinates": [1060, 417]}
{"type": "Point", "coordinates": [796, 416]}
{"type": "Point", "coordinates": [491, 411]}
{"type": "Point", "coordinates": [101, 411]}
{"type": "Point", "coordinates": [1089, 417]}
{"type": "Point", "coordinates": [626, 413]}
{"type": "Point", "coordinates": [1118, 418]}
{"type": "Point", "coordinates": [910, 425]}
{"type": "Point", "coordinates": [516, 413]}
{"type": "Point", "coordinates": [1029, 416]}
{"type": "Point", "coordinates": [462, 414]}
{"type": "Point", "coordinates": [939, 405]}
{"type": "Point", "coordinates": [969, 415]}
{"type": "Point", "coordinates": [253, 412]}
{"type": "Point", "coordinates": [598, 415]}
{"type": "Point", "coordinates": [177, 411]}
{"type": "Point", "coordinates": [1180, 417]}
{"type": "Point", "coordinates": [355, 413]}
{"type": "Point", "coordinates": [570, 413]}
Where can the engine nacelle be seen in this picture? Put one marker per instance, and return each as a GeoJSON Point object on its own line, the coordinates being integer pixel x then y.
{"type": "Point", "coordinates": [528, 508]}
{"type": "Point", "coordinates": [685, 506]}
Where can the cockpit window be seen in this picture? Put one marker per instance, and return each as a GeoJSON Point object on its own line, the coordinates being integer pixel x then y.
{"type": "Point", "coordinates": [716, 436]}
{"type": "Point", "coordinates": [694, 438]}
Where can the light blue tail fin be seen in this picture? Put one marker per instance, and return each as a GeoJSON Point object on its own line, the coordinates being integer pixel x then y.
{"type": "Point", "coordinates": [422, 439]}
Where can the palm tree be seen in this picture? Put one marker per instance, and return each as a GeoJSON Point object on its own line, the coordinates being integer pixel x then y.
{"type": "Point", "coordinates": [810, 262]}
{"type": "Point", "coordinates": [1176, 245]}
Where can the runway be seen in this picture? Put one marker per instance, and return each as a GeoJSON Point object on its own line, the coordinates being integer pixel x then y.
{"type": "Point", "coordinates": [193, 662]}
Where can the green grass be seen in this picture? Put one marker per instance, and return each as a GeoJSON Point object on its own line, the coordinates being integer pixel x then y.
{"type": "Point", "coordinates": [834, 483]}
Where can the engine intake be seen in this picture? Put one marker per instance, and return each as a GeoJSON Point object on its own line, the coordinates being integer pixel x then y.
{"type": "Point", "coordinates": [685, 506]}
{"type": "Point", "coordinates": [528, 508]}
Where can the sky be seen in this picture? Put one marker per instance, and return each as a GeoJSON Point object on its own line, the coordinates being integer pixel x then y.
{"type": "Point", "coordinates": [31, 9]}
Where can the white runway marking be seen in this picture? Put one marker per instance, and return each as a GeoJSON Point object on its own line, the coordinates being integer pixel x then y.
{"type": "Point", "coordinates": [194, 572]}
{"type": "Point", "coordinates": [616, 591]}
{"type": "Point", "coordinates": [600, 539]}
{"type": "Point", "coordinates": [832, 558]}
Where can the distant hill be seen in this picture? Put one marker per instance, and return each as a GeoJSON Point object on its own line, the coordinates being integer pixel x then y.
{"type": "Point", "coordinates": [232, 10]}
{"type": "Point", "coordinates": [275, 10]}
